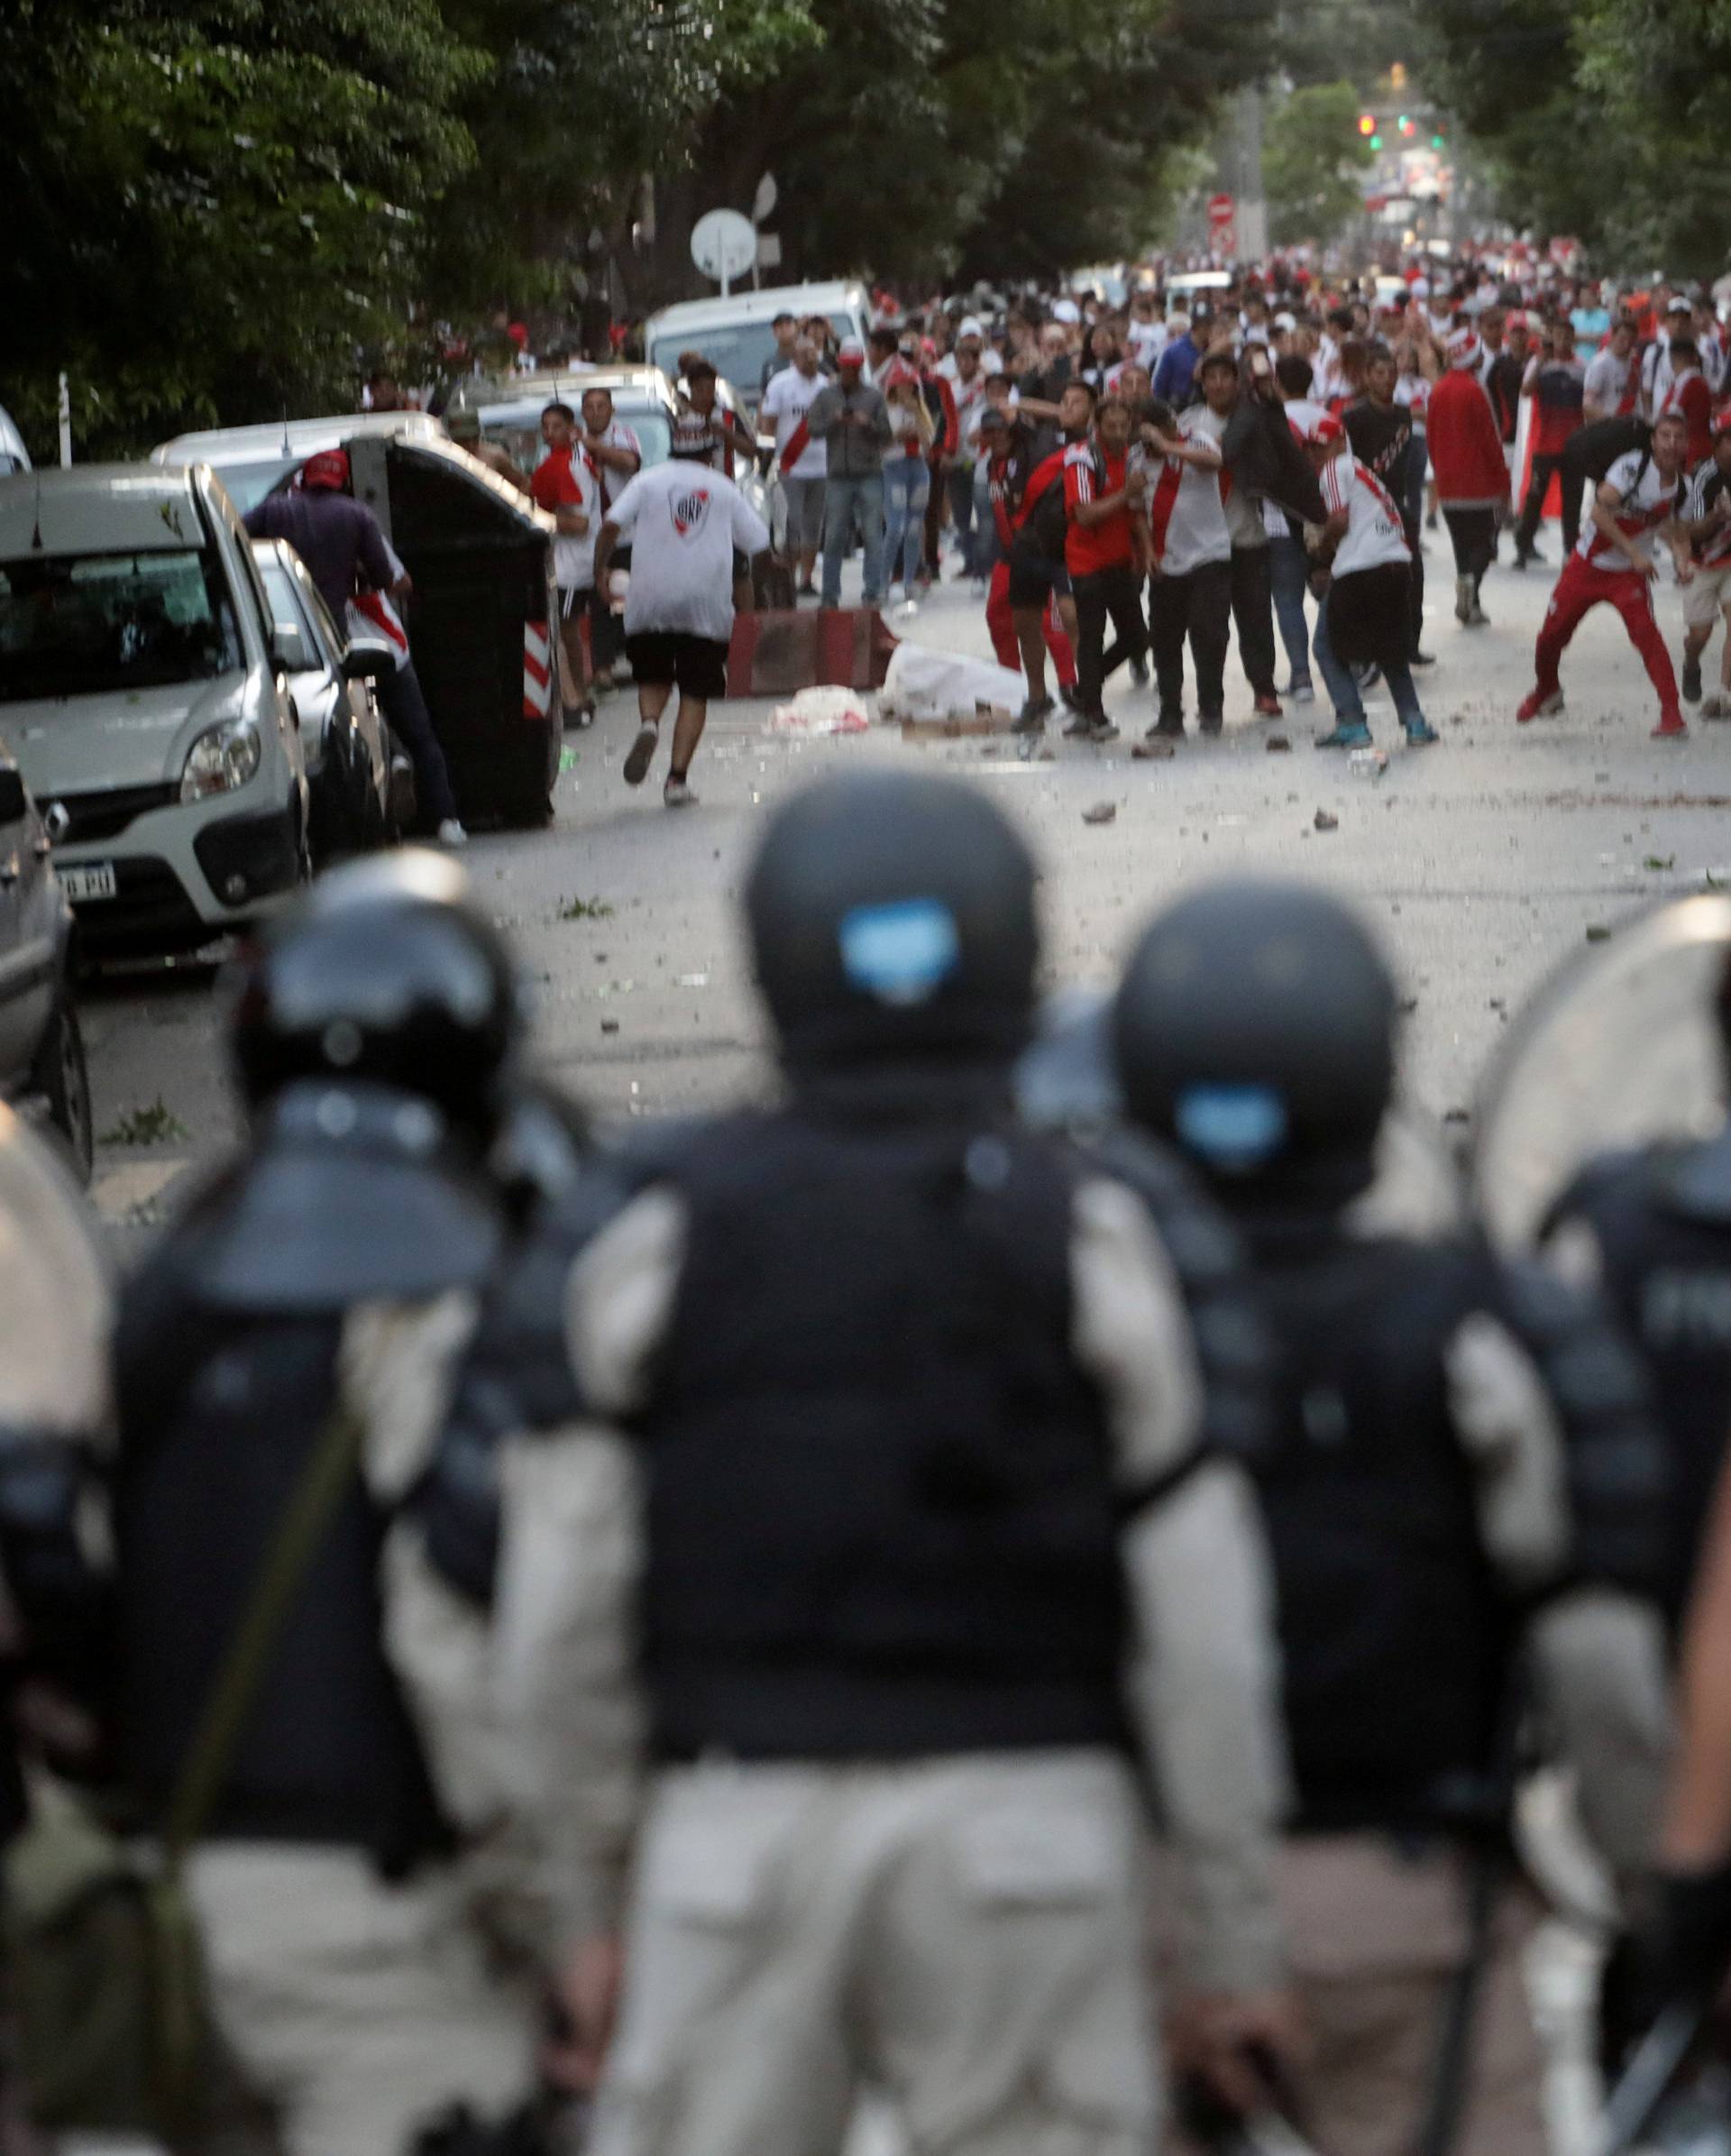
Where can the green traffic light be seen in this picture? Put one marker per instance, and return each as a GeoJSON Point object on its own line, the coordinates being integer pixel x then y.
{"type": "Point", "coordinates": [1376, 142]}
{"type": "Point", "coordinates": [1436, 141]}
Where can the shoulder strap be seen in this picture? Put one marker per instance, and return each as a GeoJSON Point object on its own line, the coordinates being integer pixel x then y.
{"type": "Point", "coordinates": [308, 1513]}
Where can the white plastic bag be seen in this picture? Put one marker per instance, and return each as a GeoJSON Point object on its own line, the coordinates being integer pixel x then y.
{"type": "Point", "coordinates": [923, 683]}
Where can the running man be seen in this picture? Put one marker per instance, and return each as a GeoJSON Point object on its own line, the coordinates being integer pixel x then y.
{"type": "Point", "coordinates": [1707, 526]}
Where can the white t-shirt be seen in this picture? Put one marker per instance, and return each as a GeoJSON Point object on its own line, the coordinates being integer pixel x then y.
{"type": "Point", "coordinates": [1413, 392]}
{"type": "Point", "coordinates": [617, 434]}
{"type": "Point", "coordinates": [1608, 379]}
{"type": "Point", "coordinates": [1644, 504]}
{"type": "Point", "coordinates": [1375, 536]}
{"type": "Point", "coordinates": [788, 398]}
{"type": "Point", "coordinates": [573, 553]}
{"type": "Point", "coordinates": [1190, 526]}
{"type": "Point", "coordinates": [1302, 413]}
{"type": "Point", "coordinates": [684, 520]}
{"type": "Point", "coordinates": [1147, 341]}
{"type": "Point", "coordinates": [970, 402]}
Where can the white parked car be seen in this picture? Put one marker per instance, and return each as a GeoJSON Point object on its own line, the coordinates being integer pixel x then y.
{"type": "Point", "coordinates": [251, 459]}
{"type": "Point", "coordinates": [360, 782]}
{"type": "Point", "coordinates": [142, 695]}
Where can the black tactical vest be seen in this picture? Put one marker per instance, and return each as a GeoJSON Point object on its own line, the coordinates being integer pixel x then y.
{"type": "Point", "coordinates": [880, 1516]}
{"type": "Point", "coordinates": [219, 1412]}
{"type": "Point", "coordinates": [1667, 1274]}
{"type": "Point", "coordinates": [1396, 1633]}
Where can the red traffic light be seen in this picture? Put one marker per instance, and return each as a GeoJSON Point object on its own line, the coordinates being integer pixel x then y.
{"type": "Point", "coordinates": [1367, 123]}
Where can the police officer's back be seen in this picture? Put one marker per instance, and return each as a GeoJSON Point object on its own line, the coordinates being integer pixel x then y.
{"type": "Point", "coordinates": [321, 1278]}
{"type": "Point", "coordinates": [1463, 1471]}
{"type": "Point", "coordinates": [914, 1513]}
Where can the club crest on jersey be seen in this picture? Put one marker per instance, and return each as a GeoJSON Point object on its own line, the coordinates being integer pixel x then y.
{"type": "Point", "coordinates": [690, 511]}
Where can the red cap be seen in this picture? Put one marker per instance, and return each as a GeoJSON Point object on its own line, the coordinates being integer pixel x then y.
{"type": "Point", "coordinates": [329, 468]}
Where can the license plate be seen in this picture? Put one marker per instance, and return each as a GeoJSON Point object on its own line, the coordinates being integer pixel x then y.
{"type": "Point", "coordinates": [86, 879]}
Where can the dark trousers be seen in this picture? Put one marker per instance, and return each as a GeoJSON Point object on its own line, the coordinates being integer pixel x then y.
{"type": "Point", "coordinates": [1474, 534]}
{"type": "Point", "coordinates": [1533, 507]}
{"type": "Point", "coordinates": [1253, 615]}
{"type": "Point", "coordinates": [1416, 596]}
{"type": "Point", "coordinates": [1115, 592]}
{"type": "Point", "coordinates": [606, 633]}
{"type": "Point", "coordinates": [1199, 606]}
{"type": "Point", "coordinates": [407, 715]}
{"type": "Point", "coordinates": [958, 485]}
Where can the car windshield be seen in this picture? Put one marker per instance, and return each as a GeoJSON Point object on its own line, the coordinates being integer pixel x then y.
{"type": "Point", "coordinates": [519, 432]}
{"type": "Point", "coordinates": [90, 624]}
{"type": "Point", "coordinates": [738, 351]}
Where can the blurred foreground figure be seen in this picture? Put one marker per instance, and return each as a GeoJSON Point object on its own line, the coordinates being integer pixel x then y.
{"type": "Point", "coordinates": [1464, 1500]}
{"type": "Point", "coordinates": [913, 1546]}
{"type": "Point", "coordinates": [298, 1323]}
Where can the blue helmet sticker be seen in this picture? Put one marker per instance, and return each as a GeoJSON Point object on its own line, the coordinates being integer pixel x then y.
{"type": "Point", "coordinates": [1234, 1129]}
{"type": "Point", "coordinates": [902, 952]}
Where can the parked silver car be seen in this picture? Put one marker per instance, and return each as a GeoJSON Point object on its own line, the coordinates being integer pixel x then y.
{"type": "Point", "coordinates": [361, 784]}
{"type": "Point", "coordinates": [41, 1048]}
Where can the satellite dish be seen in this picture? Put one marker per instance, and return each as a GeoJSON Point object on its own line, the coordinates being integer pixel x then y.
{"type": "Point", "coordinates": [724, 245]}
{"type": "Point", "coordinates": [765, 200]}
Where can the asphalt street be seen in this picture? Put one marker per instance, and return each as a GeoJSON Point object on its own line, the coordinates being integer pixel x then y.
{"type": "Point", "coordinates": [1484, 861]}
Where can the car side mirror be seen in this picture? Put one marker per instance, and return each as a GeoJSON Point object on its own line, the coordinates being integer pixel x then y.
{"type": "Point", "coordinates": [288, 652]}
{"type": "Point", "coordinates": [369, 658]}
{"type": "Point", "coordinates": [12, 799]}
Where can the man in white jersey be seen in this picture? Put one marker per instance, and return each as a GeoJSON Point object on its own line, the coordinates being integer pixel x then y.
{"type": "Point", "coordinates": [616, 455]}
{"type": "Point", "coordinates": [790, 395]}
{"type": "Point", "coordinates": [1641, 494]}
{"type": "Point", "coordinates": [1706, 518]}
{"type": "Point", "coordinates": [1365, 618]}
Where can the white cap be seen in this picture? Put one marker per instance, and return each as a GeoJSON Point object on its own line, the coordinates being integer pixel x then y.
{"type": "Point", "coordinates": [970, 327]}
{"type": "Point", "coordinates": [1066, 310]}
{"type": "Point", "coordinates": [1284, 320]}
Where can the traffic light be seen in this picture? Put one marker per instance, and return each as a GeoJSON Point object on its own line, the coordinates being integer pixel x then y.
{"type": "Point", "coordinates": [1367, 123]}
{"type": "Point", "coordinates": [1376, 142]}
{"type": "Point", "coordinates": [1406, 125]}
{"type": "Point", "coordinates": [1437, 142]}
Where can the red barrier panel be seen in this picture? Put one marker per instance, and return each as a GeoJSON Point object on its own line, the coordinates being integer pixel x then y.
{"type": "Point", "coordinates": [775, 652]}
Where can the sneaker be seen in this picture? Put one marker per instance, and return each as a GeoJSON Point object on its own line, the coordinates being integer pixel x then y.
{"type": "Point", "coordinates": [1267, 705]}
{"type": "Point", "coordinates": [1520, 559]}
{"type": "Point", "coordinates": [898, 592]}
{"type": "Point", "coordinates": [1716, 706]}
{"type": "Point", "coordinates": [1032, 716]}
{"type": "Point", "coordinates": [1083, 725]}
{"type": "Point", "coordinates": [1210, 723]}
{"type": "Point", "coordinates": [1139, 673]}
{"type": "Point", "coordinates": [1691, 681]}
{"type": "Point", "coordinates": [1463, 599]}
{"type": "Point", "coordinates": [1423, 658]}
{"type": "Point", "coordinates": [1349, 733]}
{"type": "Point", "coordinates": [452, 833]}
{"type": "Point", "coordinates": [1477, 618]}
{"type": "Point", "coordinates": [1302, 695]}
{"type": "Point", "coordinates": [1168, 727]}
{"type": "Point", "coordinates": [676, 795]}
{"type": "Point", "coordinates": [1102, 729]}
{"type": "Point", "coordinates": [1670, 727]}
{"type": "Point", "coordinates": [1539, 705]}
{"type": "Point", "coordinates": [642, 753]}
{"type": "Point", "coordinates": [1420, 734]}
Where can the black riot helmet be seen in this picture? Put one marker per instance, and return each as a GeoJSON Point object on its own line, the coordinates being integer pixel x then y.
{"type": "Point", "coordinates": [386, 972]}
{"type": "Point", "coordinates": [892, 917]}
{"type": "Point", "coordinates": [1255, 1027]}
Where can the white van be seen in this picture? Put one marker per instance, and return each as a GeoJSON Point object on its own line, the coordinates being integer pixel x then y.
{"type": "Point", "coordinates": [141, 694]}
{"type": "Point", "coordinates": [736, 336]}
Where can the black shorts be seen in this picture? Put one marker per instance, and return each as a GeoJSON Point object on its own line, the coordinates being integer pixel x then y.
{"type": "Point", "coordinates": [1034, 577]}
{"type": "Point", "coordinates": [673, 658]}
{"type": "Point", "coordinates": [1369, 622]}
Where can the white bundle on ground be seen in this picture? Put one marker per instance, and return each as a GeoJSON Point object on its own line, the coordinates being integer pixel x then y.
{"type": "Point", "coordinates": [944, 684]}
{"type": "Point", "coordinates": [821, 710]}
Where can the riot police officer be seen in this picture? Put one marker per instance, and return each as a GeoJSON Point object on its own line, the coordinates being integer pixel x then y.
{"type": "Point", "coordinates": [913, 1508]}
{"type": "Point", "coordinates": [311, 1297]}
{"type": "Point", "coordinates": [1463, 1485]}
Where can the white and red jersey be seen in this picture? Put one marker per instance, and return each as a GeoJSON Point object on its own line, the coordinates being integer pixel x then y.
{"type": "Point", "coordinates": [1706, 491]}
{"type": "Point", "coordinates": [1187, 512]}
{"type": "Point", "coordinates": [1647, 500]}
{"type": "Point", "coordinates": [970, 402]}
{"type": "Point", "coordinates": [1375, 536]}
{"type": "Point", "coordinates": [1414, 392]}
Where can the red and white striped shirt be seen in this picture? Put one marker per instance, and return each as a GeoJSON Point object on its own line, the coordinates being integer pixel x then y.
{"type": "Point", "coordinates": [1375, 536]}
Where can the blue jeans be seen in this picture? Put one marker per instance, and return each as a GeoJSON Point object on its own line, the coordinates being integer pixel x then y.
{"type": "Point", "coordinates": [1343, 690]}
{"type": "Point", "coordinates": [1290, 571]}
{"type": "Point", "coordinates": [907, 488]}
{"type": "Point", "coordinates": [845, 502]}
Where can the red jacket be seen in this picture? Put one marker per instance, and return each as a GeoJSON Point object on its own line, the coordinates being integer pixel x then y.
{"type": "Point", "coordinates": [1466, 443]}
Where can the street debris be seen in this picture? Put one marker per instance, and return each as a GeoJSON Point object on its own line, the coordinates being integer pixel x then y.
{"type": "Point", "coordinates": [1325, 822]}
{"type": "Point", "coordinates": [585, 909]}
{"type": "Point", "coordinates": [1277, 745]}
{"type": "Point", "coordinates": [1102, 811]}
{"type": "Point", "coordinates": [820, 710]}
{"type": "Point", "coordinates": [1156, 751]}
